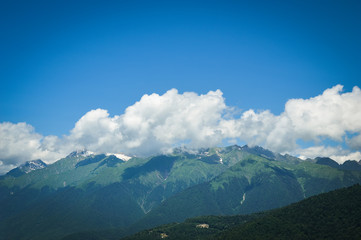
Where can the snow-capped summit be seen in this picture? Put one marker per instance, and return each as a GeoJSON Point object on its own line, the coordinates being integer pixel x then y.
{"type": "Point", "coordinates": [86, 153]}
{"type": "Point", "coordinates": [120, 156]}
{"type": "Point", "coordinates": [33, 165]}
{"type": "Point", "coordinates": [81, 153]}
{"type": "Point", "coordinates": [27, 167]}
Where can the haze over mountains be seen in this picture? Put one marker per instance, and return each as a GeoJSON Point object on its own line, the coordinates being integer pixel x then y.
{"type": "Point", "coordinates": [85, 191]}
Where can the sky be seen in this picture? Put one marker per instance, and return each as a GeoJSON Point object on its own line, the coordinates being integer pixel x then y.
{"type": "Point", "coordinates": [142, 77]}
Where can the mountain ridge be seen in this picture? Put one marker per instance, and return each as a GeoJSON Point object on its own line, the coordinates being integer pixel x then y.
{"type": "Point", "coordinates": [26, 168]}
{"type": "Point", "coordinates": [80, 189]}
{"type": "Point", "coordinates": [257, 150]}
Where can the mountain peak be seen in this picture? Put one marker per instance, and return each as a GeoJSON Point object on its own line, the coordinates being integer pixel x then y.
{"type": "Point", "coordinates": [326, 161]}
{"type": "Point", "coordinates": [33, 165]}
{"type": "Point", "coordinates": [27, 167]}
{"type": "Point", "coordinates": [81, 153]}
{"type": "Point", "coordinates": [347, 165]}
{"type": "Point", "coordinates": [257, 150]}
{"type": "Point", "coordinates": [120, 156]}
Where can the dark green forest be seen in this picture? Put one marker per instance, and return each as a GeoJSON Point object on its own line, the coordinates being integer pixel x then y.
{"type": "Point", "coordinates": [333, 215]}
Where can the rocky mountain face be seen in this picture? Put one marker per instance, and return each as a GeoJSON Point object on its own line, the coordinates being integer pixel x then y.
{"type": "Point", "coordinates": [26, 168]}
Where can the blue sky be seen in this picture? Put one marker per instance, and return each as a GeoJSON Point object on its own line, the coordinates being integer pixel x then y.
{"type": "Point", "coordinates": [62, 59]}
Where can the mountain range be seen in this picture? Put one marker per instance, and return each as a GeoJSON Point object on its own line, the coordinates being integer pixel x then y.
{"type": "Point", "coordinates": [93, 192]}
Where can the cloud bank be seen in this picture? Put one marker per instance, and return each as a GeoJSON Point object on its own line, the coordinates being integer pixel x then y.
{"type": "Point", "coordinates": [157, 123]}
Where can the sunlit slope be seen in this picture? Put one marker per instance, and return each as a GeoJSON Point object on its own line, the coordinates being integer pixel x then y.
{"type": "Point", "coordinates": [97, 191]}
{"type": "Point", "coordinates": [93, 192]}
{"type": "Point", "coordinates": [251, 185]}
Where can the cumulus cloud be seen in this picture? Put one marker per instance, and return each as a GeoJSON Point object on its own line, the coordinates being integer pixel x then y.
{"type": "Point", "coordinates": [96, 131]}
{"type": "Point", "coordinates": [154, 124]}
{"type": "Point", "coordinates": [338, 154]}
{"type": "Point", "coordinates": [157, 123]}
{"type": "Point", "coordinates": [19, 143]}
{"type": "Point", "coordinates": [349, 156]}
{"type": "Point", "coordinates": [330, 115]}
{"type": "Point", "coordinates": [16, 141]}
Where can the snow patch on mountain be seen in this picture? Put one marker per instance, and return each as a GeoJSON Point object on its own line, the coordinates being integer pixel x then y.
{"type": "Point", "coordinates": [33, 165]}
{"type": "Point", "coordinates": [27, 167]}
{"type": "Point", "coordinates": [243, 198]}
{"type": "Point", "coordinates": [120, 156]}
{"type": "Point", "coordinates": [81, 153]}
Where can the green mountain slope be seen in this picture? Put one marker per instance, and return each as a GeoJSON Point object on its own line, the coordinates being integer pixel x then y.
{"type": "Point", "coordinates": [253, 184]}
{"type": "Point", "coordinates": [25, 168]}
{"type": "Point", "coordinates": [85, 192]}
{"type": "Point", "coordinates": [333, 215]}
{"type": "Point", "coordinates": [82, 192]}
{"type": "Point", "coordinates": [70, 210]}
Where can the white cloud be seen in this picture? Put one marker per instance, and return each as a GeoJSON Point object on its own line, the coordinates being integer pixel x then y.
{"type": "Point", "coordinates": [338, 154]}
{"type": "Point", "coordinates": [97, 132]}
{"type": "Point", "coordinates": [319, 151]}
{"type": "Point", "coordinates": [19, 143]}
{"type": "Point", "coordinates": [153, 124]}
{"type": "Point", "coordinates": [157, 123]}
{"type": "Point", "coordinates": [350, 156]}
{"type": "Point", "coordinates": [330, 115]}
